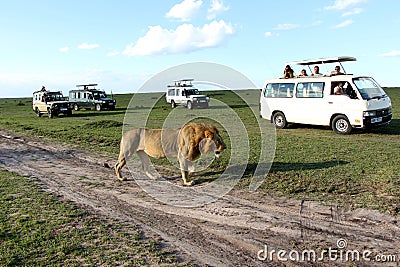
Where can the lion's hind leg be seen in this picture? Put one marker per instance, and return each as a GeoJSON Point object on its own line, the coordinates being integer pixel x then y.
{"type": "Point", "coordinates": [118, 166]}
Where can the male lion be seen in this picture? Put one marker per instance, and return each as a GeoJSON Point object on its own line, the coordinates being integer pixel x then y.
{"type": "Point", "coordinates": [186, 143]}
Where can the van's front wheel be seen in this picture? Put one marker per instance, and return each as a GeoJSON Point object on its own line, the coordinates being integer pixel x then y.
{"type": "Point", "coordinates": [341, 125]}
{"type": "Point", "coordinates": [279, 120]}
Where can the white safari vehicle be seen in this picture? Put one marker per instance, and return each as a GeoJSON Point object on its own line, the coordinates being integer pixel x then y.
{"type": "Point", "coordinates": [314, 99]}
{"type": "Point", "coordinates": [182, 92]}
{"type": "Point", "coordinates": [50, 103]}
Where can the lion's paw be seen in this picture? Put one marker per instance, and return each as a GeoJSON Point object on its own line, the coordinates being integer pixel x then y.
{"type": "Point", "coordinates": [188, 183]}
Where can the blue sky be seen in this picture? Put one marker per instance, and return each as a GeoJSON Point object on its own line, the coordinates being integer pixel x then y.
{"type": "Point", "coordinates": [121, 44]}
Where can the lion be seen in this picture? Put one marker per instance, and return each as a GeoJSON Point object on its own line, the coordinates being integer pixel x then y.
{"type": "Point", "coordinates": [186, 144]}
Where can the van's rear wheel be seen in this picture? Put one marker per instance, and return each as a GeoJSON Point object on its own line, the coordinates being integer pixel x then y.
{"type": "Point", "coordinates": [341, 125]}
{"type": "Point", "coordinates": [189, 105]}
{"type": "Point", "coordinates": [173, 104]}
{"type": "Point", "coordinates": [279, 120]}
{"type": "Point", "coordinates": [76, 107]}
{"type": "Point", "coordinates": [98, 107]}
{"type": "Point", "coordinates": [38, 112]}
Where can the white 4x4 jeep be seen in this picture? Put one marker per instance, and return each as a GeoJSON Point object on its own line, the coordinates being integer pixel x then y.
{"type": "Point", "coordinates": [50, 103]}
{"type": "Point", "coordinates": [182, 92]}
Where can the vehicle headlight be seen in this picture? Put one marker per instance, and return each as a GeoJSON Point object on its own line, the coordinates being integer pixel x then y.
{"type": "Point", "coordinates": [103, 102]}
{"type": "Point", "coordinates": [55, 106]}
{"type": "Point", "coordinates": [369, 113]}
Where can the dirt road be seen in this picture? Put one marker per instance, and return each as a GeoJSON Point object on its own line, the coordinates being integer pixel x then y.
{"type": "Point", "coordinates": [240, 229]}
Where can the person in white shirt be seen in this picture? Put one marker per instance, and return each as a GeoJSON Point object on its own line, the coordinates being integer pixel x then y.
{"type": "Point", "coordinates": [339, 90]}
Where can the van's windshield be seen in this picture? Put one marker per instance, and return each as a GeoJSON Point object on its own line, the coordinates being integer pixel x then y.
{"type": "Point", "coordinates": [99, 94]}
{"type": "Point", "coordinates": [55, 97]}
{"type": "Point", "coordinates": [368, 88]}
{"type": "Point", "coordinates": [192, 92]}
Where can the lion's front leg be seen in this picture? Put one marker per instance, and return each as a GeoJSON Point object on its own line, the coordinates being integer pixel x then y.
{"type": "Point", "coordinates": [185, 165]}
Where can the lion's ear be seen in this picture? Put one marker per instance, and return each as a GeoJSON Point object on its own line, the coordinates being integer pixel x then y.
{"type": "Point", "coordinates": [208, 134]}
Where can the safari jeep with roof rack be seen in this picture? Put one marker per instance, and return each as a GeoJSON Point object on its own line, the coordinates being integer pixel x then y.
{"type": "Point", "coordinates": [182, 92]}
{"type": "Point", "coordinates": [88, 97]}
{"type": "Point", "coordinates": [342, 101]}
{"type": "Point", "coordinates": [50, 103]}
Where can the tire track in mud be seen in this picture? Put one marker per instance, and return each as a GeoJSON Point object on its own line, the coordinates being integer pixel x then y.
{"type": "Point", "coordinates": [228, 232]}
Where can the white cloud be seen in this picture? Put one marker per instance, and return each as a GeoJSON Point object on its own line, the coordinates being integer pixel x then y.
{"type": "Point", "coordinates": [88, 46]}
{"type": "Point", "coordinates": [268, 34]}
{"type": "Point", "coordinates": [343, 24]}
{"type": "Point", "coordinates": [185, 10]}
{"type": "Point", "coordinates": [343, 4]}
{"type": "Point", "coordinates": [355, 11]}
{"type": "Point", "coordinates": [64, 49]}
{"type": "Point", "coordinates": [286, 26]}
{"type": "Point", "coordinates": [186, 38]}
{"type": "Point", "coordinates": [217, 7]}
{"type": "Point", "coordinates": [394, 53]}
{"type": "Point", "coordinates": [113, 53]}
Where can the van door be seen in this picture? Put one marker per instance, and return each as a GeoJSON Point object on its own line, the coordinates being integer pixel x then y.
{"type": "Point", "coordinates": [347, 104]}
{"type": "Point", "coordinates": [181, 96]}
{"type": "Point", "coordinates": [310, 106]}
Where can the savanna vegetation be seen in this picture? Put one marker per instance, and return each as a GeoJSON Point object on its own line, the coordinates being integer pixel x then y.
{"type": "Point", "coordinates": [313, 163]}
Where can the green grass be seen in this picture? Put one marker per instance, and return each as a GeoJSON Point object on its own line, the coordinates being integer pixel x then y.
{"type": "Point", "coordinates": [358, 170]}
{"type": "Point", "coordinates": [37, 229]}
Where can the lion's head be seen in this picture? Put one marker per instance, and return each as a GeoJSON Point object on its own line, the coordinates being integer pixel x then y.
{"type": "Point", "coordinates": [212, 142]}
{"type": "Point", "coordinates": [200, 138]}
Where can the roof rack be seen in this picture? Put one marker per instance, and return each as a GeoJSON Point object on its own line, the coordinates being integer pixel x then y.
{"type": "Point", "coordinates": [317, 61]}
{"type": "Point", "coordinates": [322, 61]}
{"type": "Point", "coordinates": [86, 86]}
{"type": "Point", "coordinates": [182, 83]}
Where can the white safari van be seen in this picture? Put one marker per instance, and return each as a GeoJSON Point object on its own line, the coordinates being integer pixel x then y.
{"type": "Point", "coordinates": [314, 99]}
{"type": "Point", "coordinates": [182, 92]}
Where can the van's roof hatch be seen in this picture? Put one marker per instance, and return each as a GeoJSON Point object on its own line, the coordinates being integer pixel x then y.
{"type": "Point", "coordinates": [323, 60]}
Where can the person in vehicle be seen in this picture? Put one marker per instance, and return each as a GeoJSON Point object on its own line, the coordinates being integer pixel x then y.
{"type": "Point", "coordinates": [303, 73]}
{"type": "Point", "coordinates": [339, 90]}
{"type": "Point", "coordinates": [287, 72]}
{"type": "Point", "coordinates": [316, 71]}
{"type": "Point", "coordinates": [336, 71]}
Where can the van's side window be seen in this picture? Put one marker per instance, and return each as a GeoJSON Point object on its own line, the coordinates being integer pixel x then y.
{"type": "Point", "coordinates": [283, 90]}
{"type": "Point", "coordinates": [171, 92]}
{"type": "Point", "coordinates": [310, 90]}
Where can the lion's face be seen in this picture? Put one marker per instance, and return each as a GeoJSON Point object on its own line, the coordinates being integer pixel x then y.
{"type": "Point", "coordinates": [212, 143]}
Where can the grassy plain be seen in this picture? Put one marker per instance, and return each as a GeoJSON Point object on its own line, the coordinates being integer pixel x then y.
{"type": "Point", "coordinates": [357, 170]}
{"type": "Point", "coordinates": [313, 163]}
{"type": "Point", "coordinates": [37, 229]}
